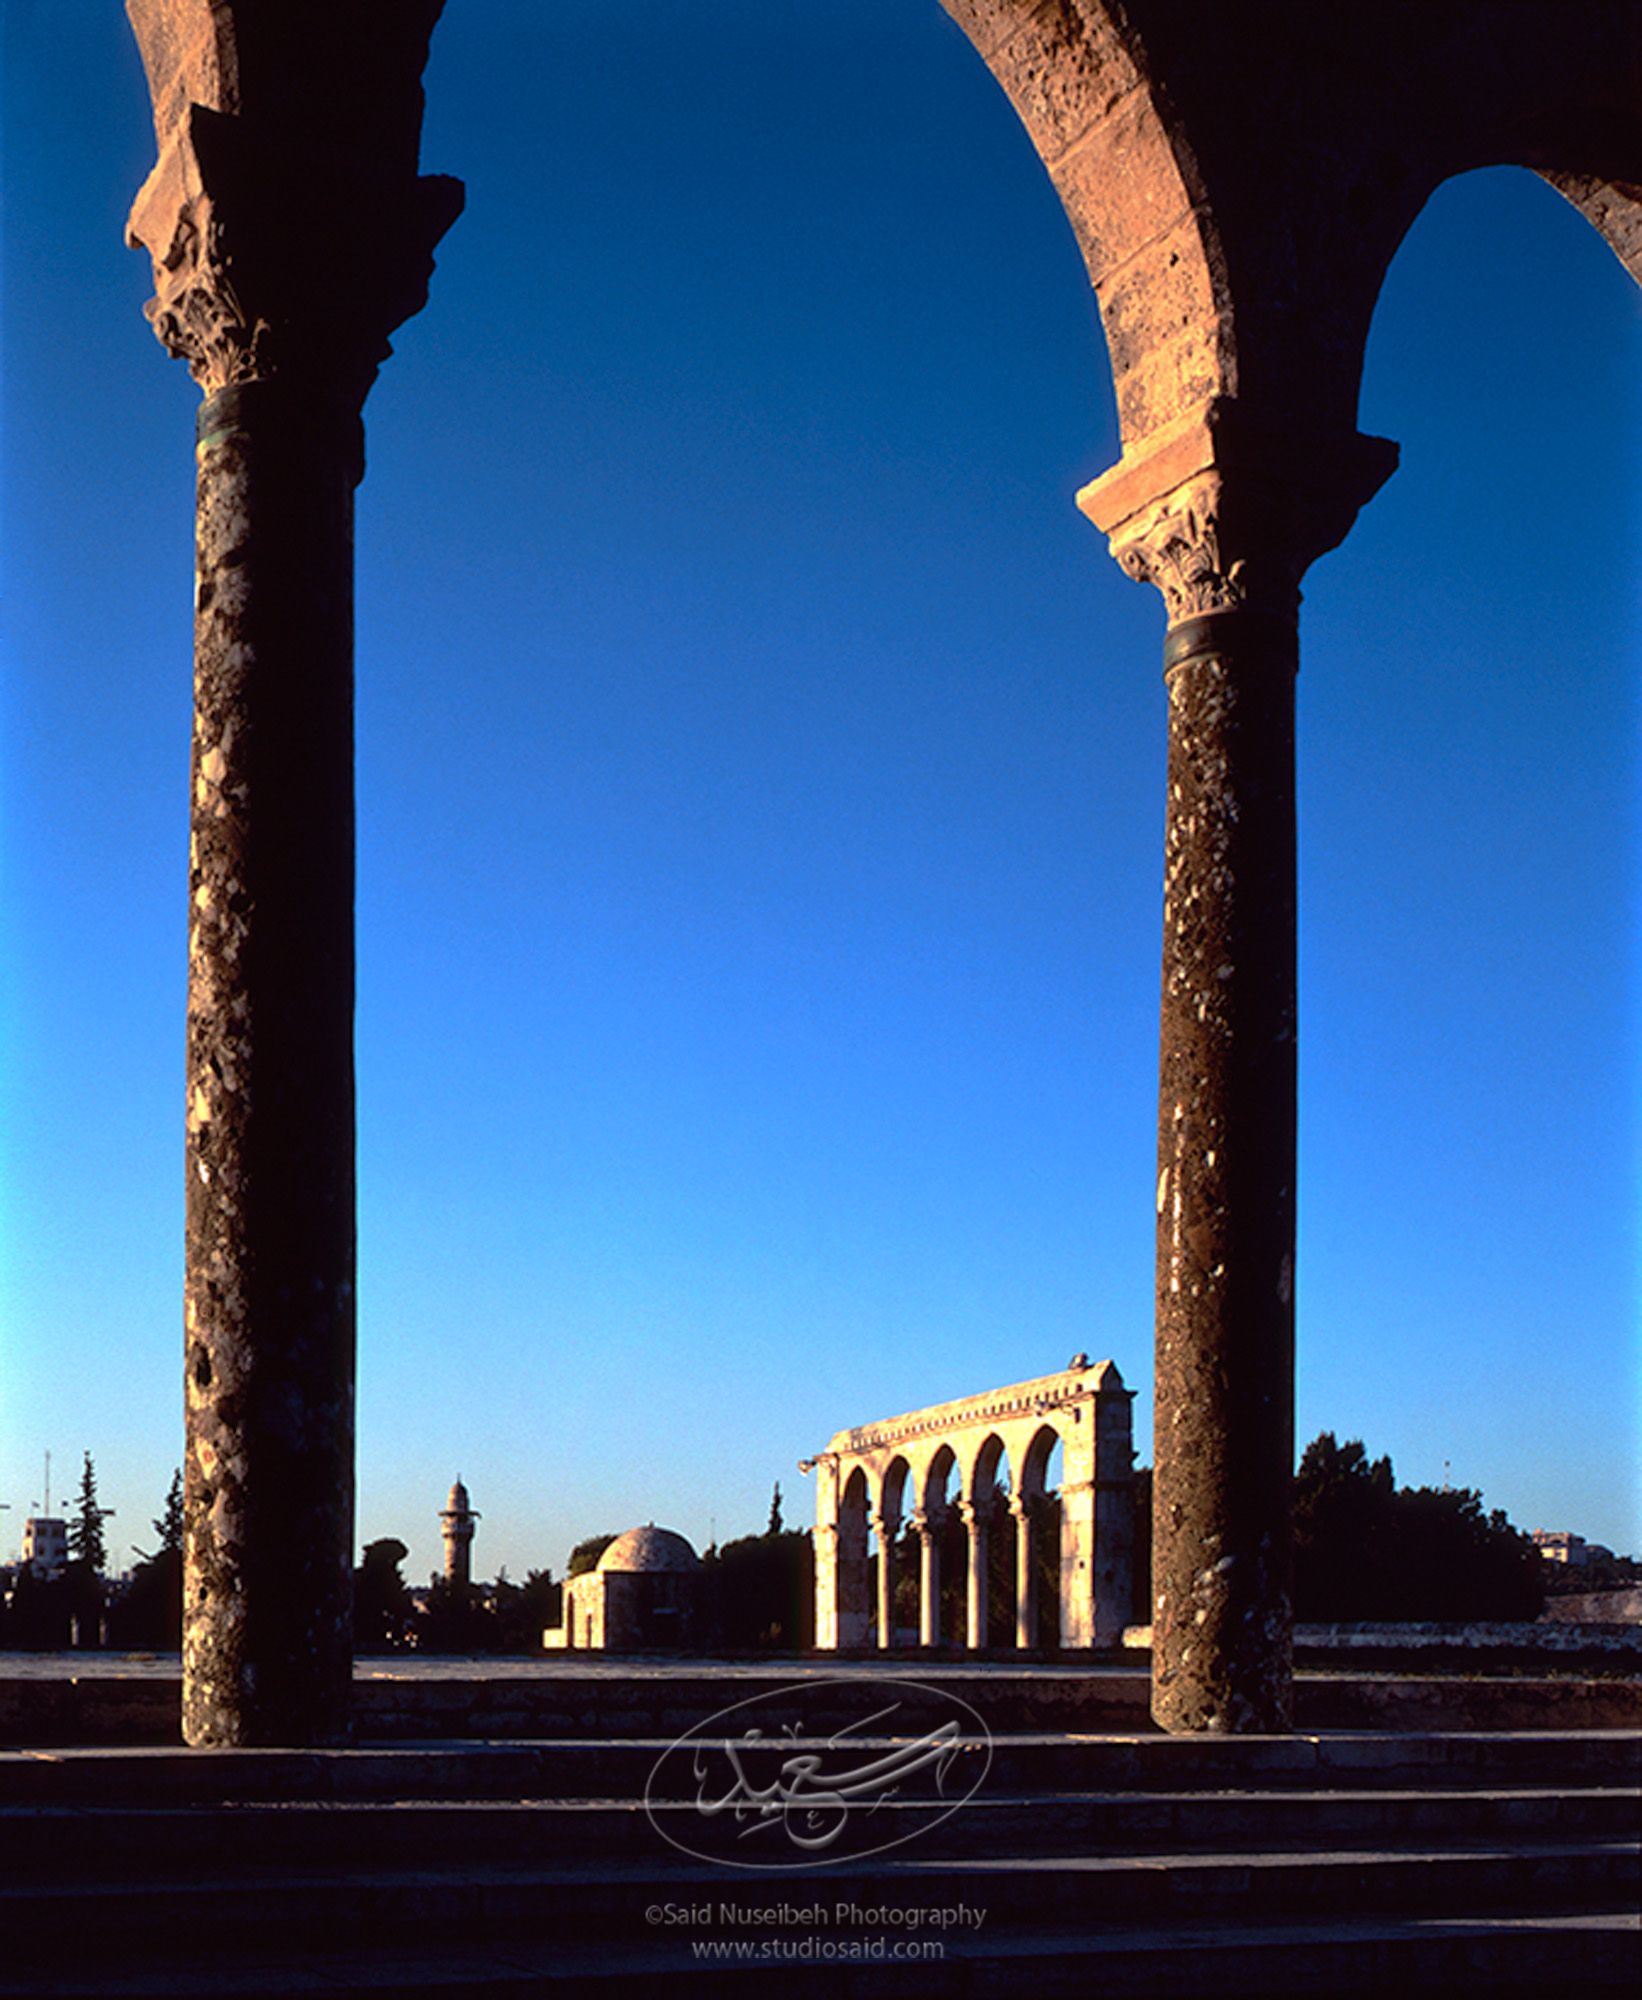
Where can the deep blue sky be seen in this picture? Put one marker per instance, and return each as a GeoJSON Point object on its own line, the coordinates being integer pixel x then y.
{"type": "Point", "coordinates": [760, 771]}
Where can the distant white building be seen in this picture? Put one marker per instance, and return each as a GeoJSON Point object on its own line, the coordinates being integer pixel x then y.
{"type": "Point", "coordinates": [45, 1545]}
{"type": "Point", "coordinates": [1556, 1545]}
{"type": "Point", "coordinates": [646, 1593]}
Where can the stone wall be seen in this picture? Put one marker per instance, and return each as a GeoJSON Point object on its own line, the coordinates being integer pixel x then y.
{"type": "Point", "coordinates": [1596, 1607]}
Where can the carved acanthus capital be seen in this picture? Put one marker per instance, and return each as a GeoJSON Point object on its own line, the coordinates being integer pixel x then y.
{"type": "Point", "coordinates": [1222, 513]}
{"type": "Point", "coordinates": [275, 260]}
{"type": "Point", "coordinates": [289, 227]}
{"type": "Point", "coordinates": [1180, 545]}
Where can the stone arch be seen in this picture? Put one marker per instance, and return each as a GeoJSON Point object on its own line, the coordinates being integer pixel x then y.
{"type": "Point", "coordinates": [1035, 1460]}
{"type": "Point", "coordinates": [1612, 208]}
{"type": "Point", "coordinates": [190, 52]}
{"type": "Point", "coordinates": [889, 1495]}
{"type": "Point", "coordinates": [1578, 530]}
{"type": "Point", "coordinates": [940, 1467]}
{"type": "Point", "coordinates": [990, 1466]}
{"type": "Point", "coordinates": [1238, 187]}
{"type": "Point", "coordinates": [1078, 77]}
{"type": "Point", "coordinates": [1037, 1515]}
{"type": "Point", "coordinates": [894, 1480]}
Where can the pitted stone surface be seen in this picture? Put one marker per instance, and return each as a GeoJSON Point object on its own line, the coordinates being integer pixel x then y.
{"type": "Point", "coordinates": [290, 233]}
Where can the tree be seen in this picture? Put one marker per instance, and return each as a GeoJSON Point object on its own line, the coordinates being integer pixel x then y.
{"type": "Point", "coordinates": [169, 1526]}
{"type": "Point", "coordinates": [381, 1601]}
{"type": "Point", "coordinates": [1344, 1532]}
{"type": "Point", "coordinates": [455, 1620]}
{"type": "Point", "coordinates": [1363, 1549]}
{"type": "Point", "coordinates": [764, 1590]}
{"type": "Point", "coordinates": [585, 1555]}
{"type": "Point", "coordinates": [148, 1612]}
{"type": "Point", "coordinates": [1456, 1562]}
{"type": "Point", "coordinates": [524, 1611]}
{"type": "Point", "coordinates": [775, 1511]}
{"type": "Point", "coordinates": [38, 1620]}
{"type": "Point", "coordinates": [87, 1544]}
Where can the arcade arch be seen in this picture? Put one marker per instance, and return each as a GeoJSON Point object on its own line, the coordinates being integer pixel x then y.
{"type": "Point", "coordinates": [1084, 1412]}
{"type": "Point", "coordinates": [1238, 179]}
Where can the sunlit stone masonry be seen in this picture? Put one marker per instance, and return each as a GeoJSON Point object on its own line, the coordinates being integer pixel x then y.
{"type": "Point", "coordinates": [290, 233]}
{"type": "Point", "coordinates": [986, 1457]}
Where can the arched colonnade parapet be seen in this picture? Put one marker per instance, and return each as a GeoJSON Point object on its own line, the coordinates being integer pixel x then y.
{"type": "Point", "coordinates": [899, 1471]}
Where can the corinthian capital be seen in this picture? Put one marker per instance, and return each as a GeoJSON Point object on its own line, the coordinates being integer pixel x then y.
{"type": "Point", "coordinates": [289, 229]}
{"type": "Point", "coordinates": [1220, 513]}
{"type": "Point", "coordinates": [1183, 545]}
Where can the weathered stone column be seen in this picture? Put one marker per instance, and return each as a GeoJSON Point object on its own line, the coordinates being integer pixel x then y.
{"type": "Point", "coordinates": [1224, 518]}
{"type": "Point", "coordinates": [854, 1598]}
{"type": "Point", "coordinates": [1097, 1518]}
{"type": "Point", "coordinates": [1114, 1513]}
{"type": "Point", "coordinates": [290, 234]}
{"type": "Point", "coordinates": [825, 1535]}
{"type": "Point", "coordinates": [1026, 1576]}
{"type": "Point", "coordinates": [886, 1527]}
{"type": "Point", "coordinates": [975, 1520]}
{"type": "Point", "coordinates": [928, 1529]}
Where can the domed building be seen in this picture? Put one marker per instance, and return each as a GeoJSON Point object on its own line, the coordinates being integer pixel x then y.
{"type": "Point", "coordinates": [645, 1593]}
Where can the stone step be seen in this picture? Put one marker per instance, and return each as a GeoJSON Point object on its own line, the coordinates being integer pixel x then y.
{"type": "Point", "coordinates": [43, 1843]}
{"type": "Point", "coordinates": [1517, 1957]}
{"type": "Point", "coordinates": [104, 1699]}
{"type": "Point", "coordinates": [600, 1767]}
{"type": "Point", "coordinates": [323, 1908]}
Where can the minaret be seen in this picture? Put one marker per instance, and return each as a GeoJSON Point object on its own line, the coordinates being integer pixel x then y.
{"type": "Point", "coordinates": [456, 1525]}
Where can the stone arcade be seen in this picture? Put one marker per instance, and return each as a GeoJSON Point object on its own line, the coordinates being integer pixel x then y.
{"type": "Point", "coordinates": [1239, 179]}
{"type": "Point", "coordinates": [868, 1476]}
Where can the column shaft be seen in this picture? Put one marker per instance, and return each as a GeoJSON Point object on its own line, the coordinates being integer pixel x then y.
{"type": "Point", "coordinates": [270, 1182]}
{"type": "Point", "coordinates": [975, 1606]}
{"type": "Point", "coordinates": [1226, 1156]}
{"type": "Point", "coordinates": [827, 1605]}
{"type": "Point", "coordinates": [1026, 1581]}
{"type": "Point", "coordinates": [929, 1585]}
{"type": "Point", "coordinates": [886, 1530]}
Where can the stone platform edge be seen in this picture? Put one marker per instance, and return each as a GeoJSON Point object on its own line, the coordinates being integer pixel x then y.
{"type": "Point", "coordinates": [663, 1700]}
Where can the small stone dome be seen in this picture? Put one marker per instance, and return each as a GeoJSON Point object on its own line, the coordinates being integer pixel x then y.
{"type": "Point", "coordinates": [649, 1548]}
{"type": "Point", "coordinates": [458, 1501]}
